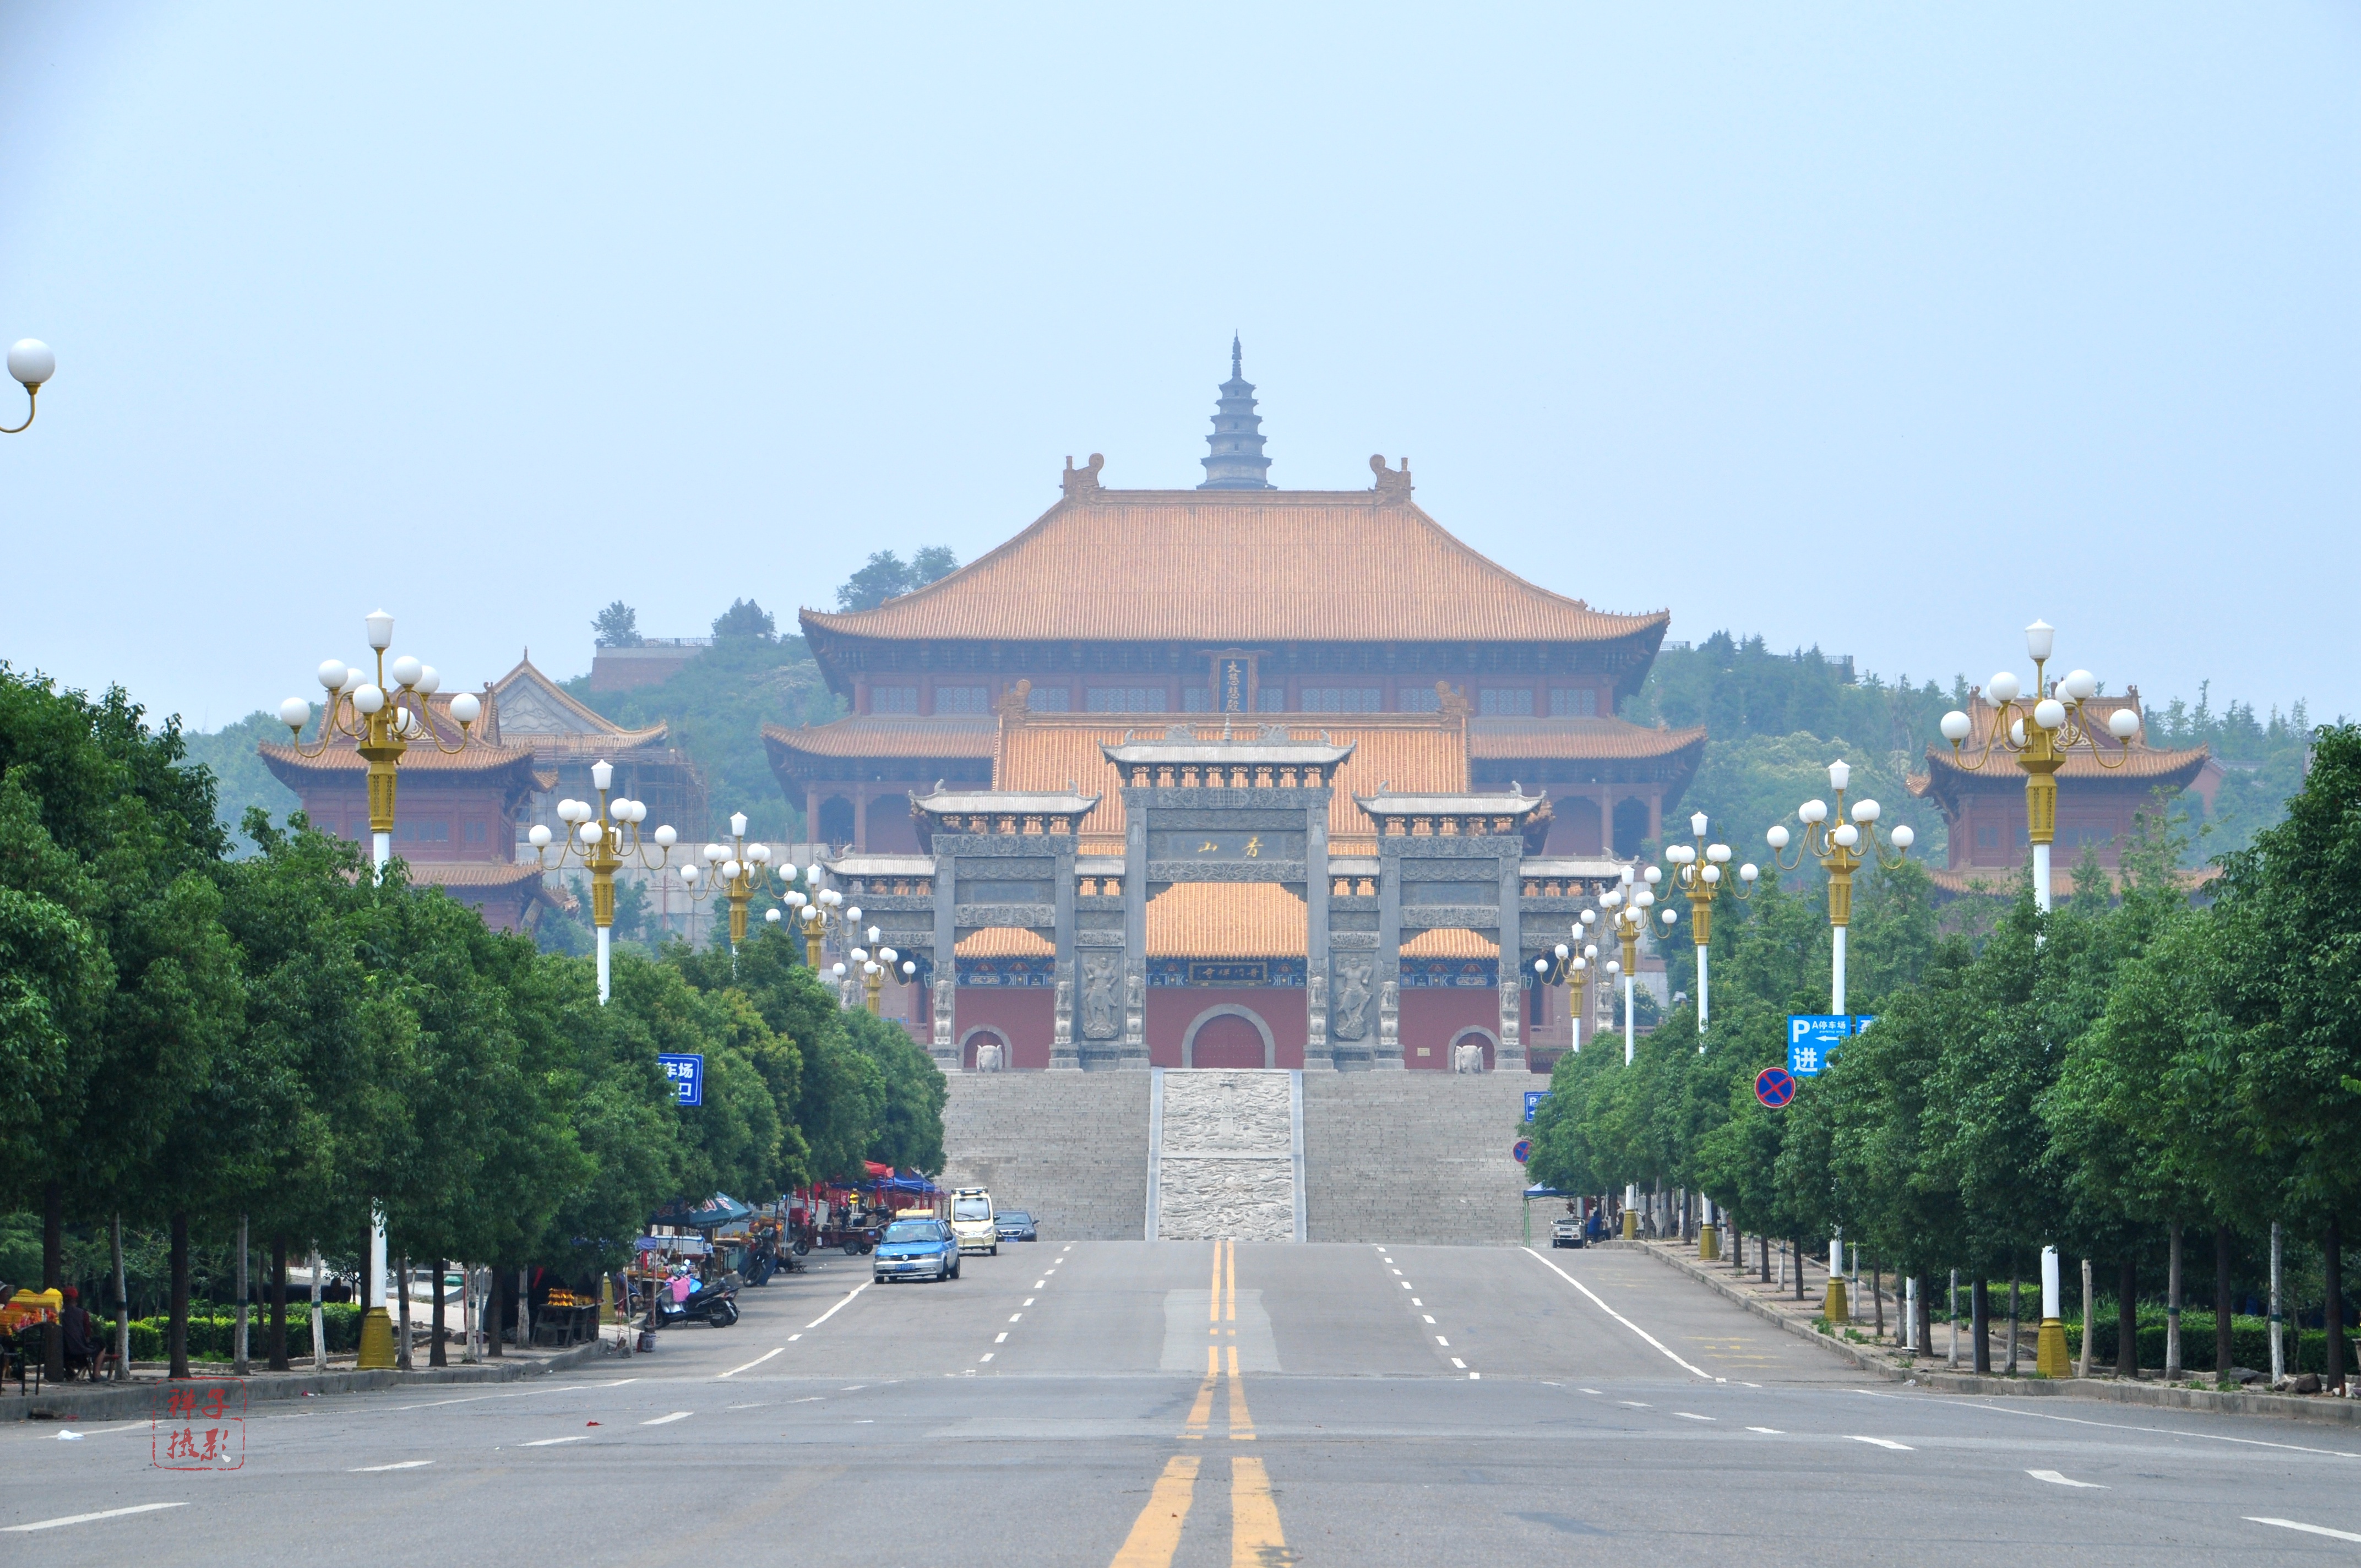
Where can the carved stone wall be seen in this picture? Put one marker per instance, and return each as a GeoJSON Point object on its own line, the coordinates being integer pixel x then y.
{"type": "Point", "coordinates": [1227, 1163]}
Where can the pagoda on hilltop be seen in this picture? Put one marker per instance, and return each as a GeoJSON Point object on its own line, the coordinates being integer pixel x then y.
{"type": "Point", "coordinates": [1232, 775]}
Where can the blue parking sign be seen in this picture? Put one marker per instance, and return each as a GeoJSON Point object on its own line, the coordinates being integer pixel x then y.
{"type": "Point", "coordinates": [688, 1075]}
{"type": "Point", "coordinates": [1534, 1098]}
{"type": "Point", "coordinates": [1813, 1038]}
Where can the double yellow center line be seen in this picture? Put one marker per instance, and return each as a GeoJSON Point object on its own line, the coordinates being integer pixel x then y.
{"type": "Point", "coordinates": [1255, 1535]}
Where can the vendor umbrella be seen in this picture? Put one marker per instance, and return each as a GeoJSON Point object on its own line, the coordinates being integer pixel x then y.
{"type": "Point", "coordinates": [710, 1214]}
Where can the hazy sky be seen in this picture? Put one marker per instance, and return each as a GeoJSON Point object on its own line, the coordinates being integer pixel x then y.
{"type": "Point", "coordinates": [1878, 328]}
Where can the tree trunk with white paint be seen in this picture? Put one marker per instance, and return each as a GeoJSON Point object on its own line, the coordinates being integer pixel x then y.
{"type": "Point", "coordinates": [318, 1323]}
{"type": "Point", "coordinates": [2172, 1305]}
{"type": "Point", "coordinates": [2083, 1370]}
{"type": "Point", "coordinates": [245, 1296]}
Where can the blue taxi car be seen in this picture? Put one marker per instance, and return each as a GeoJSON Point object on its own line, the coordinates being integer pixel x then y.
{"type": "Point", "coordinates": [916, 1249]}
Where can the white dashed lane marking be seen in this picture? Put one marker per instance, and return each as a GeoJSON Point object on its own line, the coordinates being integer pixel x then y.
{"type": "Point", "coordinates": [1882, 1443]}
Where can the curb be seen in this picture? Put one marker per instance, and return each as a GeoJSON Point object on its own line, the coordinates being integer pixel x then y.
{"type": "Point", "coordinates": [2287, 1406]}
{"type": "Point", "coordinates": [101, 1402]}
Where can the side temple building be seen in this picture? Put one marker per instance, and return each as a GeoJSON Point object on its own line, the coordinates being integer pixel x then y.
{"type": "Point", "coordinates": [1230, 776]}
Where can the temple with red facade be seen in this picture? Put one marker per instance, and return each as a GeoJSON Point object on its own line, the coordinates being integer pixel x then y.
{"type": "Point", "coordinates": [1232, 775]}
{"type": "Point", "coordinates": [2101, 795]}
{"type": "Point", "coordinates": [457, 814]}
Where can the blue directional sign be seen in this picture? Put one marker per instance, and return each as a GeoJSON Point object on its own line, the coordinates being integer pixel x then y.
{"type": "Point", "coordinates": [688, 1075]}
{"type": "Point", "coordinates": [1534, 1098]}
{"type": "Point", "coordinates": [1814, 1038]}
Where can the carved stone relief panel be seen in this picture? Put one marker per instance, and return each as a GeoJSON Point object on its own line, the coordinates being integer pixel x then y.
{"type": "Point", "coordinates": [1356, 976]}
{"type": "Point", "coordinates": [1101, 971]}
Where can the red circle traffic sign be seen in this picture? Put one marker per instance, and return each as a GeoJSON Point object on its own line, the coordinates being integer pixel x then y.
{"type": "Point", "coordinates": [1522, 1149]}
{"type": "Point", "coordinates": [1774, 1086]}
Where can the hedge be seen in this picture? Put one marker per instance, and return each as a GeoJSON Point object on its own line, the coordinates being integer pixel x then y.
{"type": "Point", "coordinates": [215, 1338]}
{"type": "Point", "coordinates": [2250, 1341]}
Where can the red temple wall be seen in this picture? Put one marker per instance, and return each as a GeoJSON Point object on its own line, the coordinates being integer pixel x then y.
{"type": "Point", "coordinates": [1026, 1018]}
{"type": "Point", "coordinates": [1171, 1009]}
{"type": "Point", "coordinates": [1431, 1019]}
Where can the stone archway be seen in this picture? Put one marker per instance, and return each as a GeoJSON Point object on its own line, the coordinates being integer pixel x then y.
{"type": "Point", "coordinates": [1231, 1035]}
{"type": "Point", "coordinates": [1484, 1037]}
{"type": "Point", "coordinates": [984, 1036]}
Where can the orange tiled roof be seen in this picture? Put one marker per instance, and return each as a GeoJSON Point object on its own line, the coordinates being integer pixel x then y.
{"type": "Point", "coordinates": [1227, 920]}
{"type": "Point", "coordinates": [1605, 740]}
{"type": "Point", "coordinates": [872, 735]}
{"type": "Point", "coordinates": [472, 873]}
{"type": "Point", "coordinates": [1005, 942]}
{"type": "Point", "coordinates": [1449, 942]}
{"type": "Point", "coordinates": [2139, 765]}
{"type": "Point", "coordinates": [1408, 752]}
{"type": "Point", "coordinates": [422, 756]}
{"type": "Point", "coordinates": [1168, 565]}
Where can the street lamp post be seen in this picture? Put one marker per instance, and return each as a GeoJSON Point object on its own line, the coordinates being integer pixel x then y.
{"type": "Point", "coordinates": [603, 839]}
{"type": "Point", "coordinates": [817, 909]}
{"type": "Point", "coordinates": [875, 963]}
{"type": "Point", "coordinates": [1697, 869]}
{"type": "Point", "coordinates": [381, 724]}
{"type": "Point", "coordinates": [2039, 734]}
{"type": "Point", "coordinates": [1841, 851]}
{"type": "Point", "coordinates": [1567, 967]}
{"type": "Point", "coordinates": [1628, 908]}
{"type": "Point", "coordinates": [31, 363]}
{"type": "Point", "coordinates": [737, 870]}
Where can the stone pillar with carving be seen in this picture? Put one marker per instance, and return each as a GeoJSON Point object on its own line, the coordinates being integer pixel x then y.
{"type": "Point", "coordinates": [1134, 1014]}
{"type": "Point", "coordinates": [945, 1049]}
{"type": "Point", "coordinates": [1511, 1057]}
{"type": "Point", "coordinates": [1062, 1054]}
{"type": "Point", "coordinates": [1388, 1052]}
{"type": "Point", "coordinates": [1513, 997]}
{"type": "Point", "coordinates": [1315, 1043]}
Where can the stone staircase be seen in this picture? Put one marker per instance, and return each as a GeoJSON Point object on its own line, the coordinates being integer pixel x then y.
{"type": "Point", "coordinates": [1394, 1157]}
{"type": "Point", "coordinates": [1069, 1147]}
{"type": "Point", "coordinates": [1227, 1156]}
{"type": "Point", "coordinates": [1414, 1157]}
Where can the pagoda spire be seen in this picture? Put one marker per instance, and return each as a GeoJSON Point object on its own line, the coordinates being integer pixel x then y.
{"type": "Point", "coordinates": [1235, 459]}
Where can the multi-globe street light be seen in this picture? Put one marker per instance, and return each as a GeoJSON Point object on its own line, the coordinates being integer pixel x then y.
{"type": "Point", "coordinates": [1627, 908]}
{"type": "Point", "coordinates": [875, 963]}
{"type": "Point", "coordinates": [737, 872]}
{"type": "Point", "coordinates": [31, 363]}
{"type": "Point", "coordinates": [2039, 733]}
{"type": "Point", "coordinates": [381, 724]}
{"type": "Point", "coordinates": [1571, 967]}
{"type": "Point", "coordinates": [1841, 851]}
{"type": "Point", "coordinates": [603, 839]}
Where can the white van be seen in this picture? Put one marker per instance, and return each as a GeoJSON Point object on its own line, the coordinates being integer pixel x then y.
{"type": "Point", "coordinates": [971, 1221]}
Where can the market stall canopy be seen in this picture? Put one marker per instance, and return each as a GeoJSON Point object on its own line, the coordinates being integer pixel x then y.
{"type": "Point", "coordinates": [713, 1213]}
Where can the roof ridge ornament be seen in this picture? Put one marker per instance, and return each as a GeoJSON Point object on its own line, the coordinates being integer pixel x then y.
{"type": "Point", "coordinates": [1081, 484]}
{"type": "Point", "coordinates": [1393, 484]}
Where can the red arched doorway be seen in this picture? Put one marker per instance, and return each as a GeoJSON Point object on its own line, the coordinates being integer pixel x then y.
{"type": "Point", "coordinates": [1228, 1039]}
{"type": "Point", "coordinates": [985, 1038]}
{"type": "Point", "coordinates": [1467, 1037]}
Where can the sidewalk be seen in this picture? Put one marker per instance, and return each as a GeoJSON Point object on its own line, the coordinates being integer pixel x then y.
{"type": "Point", "coordinates": [136, 1399]}
{"type": "Point", "coordinates": [1883, 1357]}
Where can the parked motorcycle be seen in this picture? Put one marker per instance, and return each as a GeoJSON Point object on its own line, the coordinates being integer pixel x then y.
{"type": "Point", "coordinates": [715, 1302]}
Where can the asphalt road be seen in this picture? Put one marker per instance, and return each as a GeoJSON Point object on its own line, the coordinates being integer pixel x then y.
{"type": "Point", "coordinates": [1117, 1403]}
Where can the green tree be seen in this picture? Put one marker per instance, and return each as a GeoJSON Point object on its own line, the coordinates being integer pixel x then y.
{"type": "Point", "coordinates": [617, 626]}
{"type": "Point", "coordinates": [887, 576]}
{"type": "Point", "coordinates": [746, 621]}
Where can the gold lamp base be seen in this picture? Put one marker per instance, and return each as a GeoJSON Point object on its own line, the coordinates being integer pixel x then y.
{"type": "Point", "coordinates": [377, 1341]}
{"type": "Point", "coordinates": [1838, 1308]}
{"type": "Point", "coordinates": [1630, 1225]}
{"type": "Point", "coordinates": [2049, 1356]}
{"type": "Point", "coordinates": [1709, 1245]}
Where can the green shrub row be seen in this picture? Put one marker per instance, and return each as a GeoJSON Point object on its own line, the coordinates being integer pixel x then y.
{"type": "Point", "coordinates": [2250, 1338]}
{"type": "Point", "coordinates": [215, 1338]}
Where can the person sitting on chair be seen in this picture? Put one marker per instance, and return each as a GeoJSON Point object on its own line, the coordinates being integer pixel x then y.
{"type": "Point", "coordinates": [80, 1335]}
